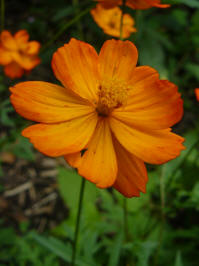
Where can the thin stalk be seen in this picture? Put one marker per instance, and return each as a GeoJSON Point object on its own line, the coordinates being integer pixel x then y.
{"type": "Point", "coordinates": [2, 14]}
{"type": "Point", "coordinates": [77, 10]}
{"type": "Point", "coordinates": [125, 217]}
{"type": "Point", "coordinates": [122, 18]}
{"type": "Point", "coordinates": [78, 221]}
{"type": "Point", "coordinates": [125, 212]}
{"type": "Point", "coordinates": [162, 225]}
{"type": "Point", "coordinates": [66, 26]}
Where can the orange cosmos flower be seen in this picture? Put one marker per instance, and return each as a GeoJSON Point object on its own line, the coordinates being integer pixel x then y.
{"type": "Point", "coordinates": [135, 4]}
{"type": "Point", "coordinates": [109, 21]}
{"type": "Point", "coordinates": [107, 118]}
{"type": "Point", "coordinates": [17, 54]}
{"type": "Point", "coordinates": [197, 93]}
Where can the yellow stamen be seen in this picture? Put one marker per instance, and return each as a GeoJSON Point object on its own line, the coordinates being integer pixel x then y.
{"type": "Point", "coordinates": [112, 94]}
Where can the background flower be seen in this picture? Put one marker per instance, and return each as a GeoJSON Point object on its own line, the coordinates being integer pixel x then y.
{"type": "Point", "coordinates": [197, 94]}
{"type": "Point", "coordinates": [135, 4]}
{"type": "Point", "coordinates": [17, 54]}
{"type": "Point", "coordinates": [109, 21]}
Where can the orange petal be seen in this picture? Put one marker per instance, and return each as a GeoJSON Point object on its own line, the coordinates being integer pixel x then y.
{"type": "Point", "coordinates": [13, 70]}
{"type": "Point", "coordinates": [109, 3]}
{"type": "Point", "coordinates": [132, 175]}
{"type": "Point", "coordinates": [98, 163]}
{"type": "Point", "coordinates": [5, 57]}
{"type": "Point", "coordinates": [8, 41]}
{"type": "Point", "coordinates": [160, 106]}
{"type": "Point", "coordinates": [75, 65]}
{"type": "Point", "coordinates": [197, 94]}
{"type": "Point", "coordinates": [26, 61]}
{"type": "Point", "coordinates": [63, 138]}
{"type": "Point", "coordinates": [117, 60]}
{"type": "Point", "coordinates": [109, 20]}
{"type": "Point", "coordinates": [33, 48]}
{"type": "Point", "coordinates": [21, 36]}
{"type": "Point", "coordinates": [151, 146]}
{"type": "Point", "coordinates": [48, 103]}
{"type": "Point", "coordinates": [145, 4]}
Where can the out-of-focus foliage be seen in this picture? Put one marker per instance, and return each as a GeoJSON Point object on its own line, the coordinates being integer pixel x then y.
{"type": "Point", "coordinates": [162, 224]}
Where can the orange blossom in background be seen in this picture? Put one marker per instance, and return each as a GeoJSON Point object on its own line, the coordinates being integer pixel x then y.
{"type": "Point", "coordinates": [135, 4]}
{"type": "Point", "coordinates": [197, 93]}
{"type": "Point", "coordinates": [17, 54]}
{"type": "Point", "coordinates": [109, 20]}
{"type": "Point", "coordinates": [107, 118]}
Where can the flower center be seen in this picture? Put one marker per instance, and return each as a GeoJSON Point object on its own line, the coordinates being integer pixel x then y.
{"type": "Point", "coordinates": [112, 94]}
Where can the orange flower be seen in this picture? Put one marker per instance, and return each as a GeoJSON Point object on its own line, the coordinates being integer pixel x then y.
{"type": "Point", "coordinates": [107, 119]}
{"type": "Point", "coordinates": [17, 55]}
{"type": "Point", "coordinates": [135, 4]}
{"type": "Point", "coordinates": [109, 21]}
{"type": "Point", "coordinates": [197, 93]}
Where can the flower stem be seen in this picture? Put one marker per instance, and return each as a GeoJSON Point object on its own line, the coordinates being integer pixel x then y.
{"type": "Point", "coordinates": [122, 18]}
{"type": "Point", "coordinates": [125, 217]}
{"type": "Point", "coordinates": [78, 221]}
{"type": "Point", "coordinates": [66, 26]}
{"type": "Point", "coordinates": [2, 14]}
{"type": "Point", "coordinates": [76, 7]}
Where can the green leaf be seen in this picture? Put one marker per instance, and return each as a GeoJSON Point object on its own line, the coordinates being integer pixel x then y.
{"type": "Point", "coordinates": [190, 3]}
{"type": "Point", "coordinates": [57, 247]}
{"type": "Point", "coordinates": [69, 186]}
{"type": "Point", "coordinates": [116, 250]}
{"type": "Point", "coordinates": [178, 260]}
{"type": "Point", "coordinates": [191, 138]}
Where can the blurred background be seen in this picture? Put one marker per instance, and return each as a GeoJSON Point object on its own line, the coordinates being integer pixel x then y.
{"type": "Point", "coordinates": [39, 195]}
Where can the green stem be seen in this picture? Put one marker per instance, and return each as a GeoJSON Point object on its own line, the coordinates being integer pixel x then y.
{"type": "Point", "coordinates": [2, 14]}
{"type": "Point", "coordinates": [66, 26]}
{"type": "Point", "coordinates": [125, 216]}
{"type": "Point", "coordinates": [122, 18]}
{"type": "Point", "coordinates": [162, 225]}
{"type": "Point", "coordinates": [76, 7]}
{"type": "Point", "coordinates": [78, 221]}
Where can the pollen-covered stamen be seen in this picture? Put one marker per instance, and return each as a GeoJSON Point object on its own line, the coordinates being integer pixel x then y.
{"type": "Point", "coordinates": [112, 94]}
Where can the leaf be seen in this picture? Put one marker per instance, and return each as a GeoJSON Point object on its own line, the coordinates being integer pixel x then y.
{"type": "Point", "coordinates": [190, 3]}
{"type": "Point", "coordinates": [193, 69]}
{"type": "Point", "coordinates": [144, 252]}
{"type": "Point", "coordinates": [178, 260]}
{"type": "Point", "coordinates": [116, 250]}
{"type": "Point", "coordinates": [57, 247]}
{"type": "Point", "coordinates": [191, 138]}
{"type": "Point", "coordinates": [23, 149]}
{"type": "Point", "coordinates": [69, 186]}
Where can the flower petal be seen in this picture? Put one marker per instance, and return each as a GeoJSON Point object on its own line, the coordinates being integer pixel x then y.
{"type": "Point", "coordinates": [21, 36]}
{"type": "Point", "coordinates": [8, 41]}
{"type": "Point", "coordinates": [159, 106]}
{"type": "Point", "coordinates": [151, 146]}
{"type": "Point", "coordinates": [145, 4]}
{"type": "Point", "coordinates": [109, 21]}
{"type": "Point", "coordinates": [26, 61]}
{"type": "Point", "coordinates": [75, 65]}
{"type": "Point", "coordinates": [33, 48]}
{"type": "Point", "coordinates": [48, 103]}
{"type": "Point", "coordinates": [5, 57]}
{"type": "Point", "coordinates": [132, 174]}
{"type": "Point", "coordinates": [13, 70]}
{"type": "Point", "coordinates": [63, 138]}
{"type": "Point", "coordinates": [117, 60]}
{"type": "Point", "coordinates": [98, 163]}
{"type": "Point", "coordinates": [197, 93]}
